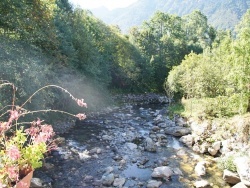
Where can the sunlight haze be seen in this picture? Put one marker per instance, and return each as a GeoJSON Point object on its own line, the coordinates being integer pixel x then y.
{"type": "Point", "coordinates": [110, 4]}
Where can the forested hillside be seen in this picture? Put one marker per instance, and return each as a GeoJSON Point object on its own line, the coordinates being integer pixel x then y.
{"type": "Point", "coordinates": [221, 14]}
{"type": "Point", "coordinates": [48, 42]}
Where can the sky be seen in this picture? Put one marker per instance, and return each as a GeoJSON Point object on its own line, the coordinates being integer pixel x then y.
{"type": "Point", "coordinates": [110, 4]}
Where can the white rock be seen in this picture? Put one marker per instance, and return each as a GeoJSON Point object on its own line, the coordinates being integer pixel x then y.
{"type": "Point", "coordinates": [162, 172]}
{"type": "Point", "coordinates": [216, 145]}
{"type": "Point", "coordinates": [243, 169]}
{"type": "Point", "coordinates": [240, 185]}
{"type": "Point", "coordinates": [200, 168]}
{"type": "Point", "coordinates": [202, 184]}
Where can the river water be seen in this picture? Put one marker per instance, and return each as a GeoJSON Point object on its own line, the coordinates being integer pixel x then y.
{"type": "Point", "coordinates": [114, 143]}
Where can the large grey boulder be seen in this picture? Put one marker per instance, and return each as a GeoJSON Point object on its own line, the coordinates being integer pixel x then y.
{"type": "Point", "coordinates": [177, 131]}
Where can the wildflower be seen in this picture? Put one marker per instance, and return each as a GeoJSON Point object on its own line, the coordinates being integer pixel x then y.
{"type": "Point", "coordinates": [47, 130]}
{"type": "Point", "coordinates": [14, 115]}
{"type": "Point", "coordinates": [32, 131]}
{"type": "Point", "coordinates": [13, 153]}
{"type": "Point", "coordinates": [81, 103]}
{"type": "Point", "coordinates": [13, 173]}
{"type": "Point", "coordinates": [81, 116]}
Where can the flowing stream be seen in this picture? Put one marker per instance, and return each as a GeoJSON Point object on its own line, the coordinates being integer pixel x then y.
{"type": "Point", "coordinates": [114, 143]}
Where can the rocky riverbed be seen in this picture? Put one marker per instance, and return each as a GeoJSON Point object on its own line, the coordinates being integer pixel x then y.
{"type": "Point", "coordinates": [133, 145]}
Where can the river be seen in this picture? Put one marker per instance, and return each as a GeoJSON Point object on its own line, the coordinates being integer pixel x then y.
{"type": "Point", "coordinates": [113, 145]}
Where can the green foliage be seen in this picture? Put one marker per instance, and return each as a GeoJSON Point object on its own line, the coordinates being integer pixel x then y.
{"type": "Point", "coordinates": [227, 163]}
{"type": "Point", "coordinates": [176, 108]}
{"type": "Point", "coordinates": [216, 83]}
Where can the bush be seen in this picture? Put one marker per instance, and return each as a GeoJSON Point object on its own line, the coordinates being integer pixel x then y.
{"type": "Point", "coordinates": [221, 106]}
{"type": "Point", "coordinates": [227, 163]}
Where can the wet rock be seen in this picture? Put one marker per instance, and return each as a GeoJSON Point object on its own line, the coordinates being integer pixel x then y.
{"type": "Point", "coordinates": [131, 146]}
{"type": "Point", "coordinates": [60, 141]}
{"type": "Point", "coordinates": [107, 137]}
{"type": "Point", "coordinates": [243, 169]}
{"type": "Point", "coordinates": [177, 171]}
{"type": "Point", "coordinates": [108, 179]}
{"type": "Point", "coordinates": [149, 145]}
{"type": "Point", "coordinates": [162, 125]}
{"type": "Point", "coordinates": [88, 179]}
{"type": "Point", "coordinates": [162, 172]}
{"type": "Point", "coordinates": [202, 184]}
{"type": "Point", "coordinates": [36, 183]}
{"type": "Point", "coordinates": [231, 177]}
{"type": "Point", "coordinates": [155, 128]}
{"type": "Point", "coordinates": [240, 185]}
{"type": "Point", "coordinates": [119, 182]}
{"type": "Point", "coordinates": [177, 131]}
{"type": "Point", "coordinates": [200, 168]}
{"type": "Point", "coordinates": [187, 140]}
{"type": "Point", "coordinates": [154, 184]}
{"type": "Point", "coordinates": [84, 155]}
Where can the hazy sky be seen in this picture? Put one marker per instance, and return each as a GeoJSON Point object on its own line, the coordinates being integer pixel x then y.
{"type": "Point", "coordinates": [110, 4]}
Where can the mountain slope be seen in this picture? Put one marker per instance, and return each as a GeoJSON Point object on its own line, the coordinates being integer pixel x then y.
{"type": "Point", "coordinates": [222, 14]}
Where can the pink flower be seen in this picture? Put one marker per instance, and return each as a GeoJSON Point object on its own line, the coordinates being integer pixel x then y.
{"type": "Point", "coordinates": [13, 153]}
{"type": "Point", "coordinates": [14, 115]}
{"type": "Point", "coordinates": [47, 130]}
{"type": "Point", "coordinates": [81, 116]}
{"type": "Point", "coordinates": [12, 173]}
{"type": "Point", "coordinates": [81, 103]}
{"type": "Point", "coordinates": [32, 131]}
{"type": "Point", "coordinates": [42, 137]}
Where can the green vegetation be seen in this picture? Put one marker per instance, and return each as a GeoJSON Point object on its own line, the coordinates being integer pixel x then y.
{"type": "Point", "coordinates": [227, 163]}
{"type": "Point", "coordinates": [216, 82]}
{"type": "Point", "coordinates": [48, 42]}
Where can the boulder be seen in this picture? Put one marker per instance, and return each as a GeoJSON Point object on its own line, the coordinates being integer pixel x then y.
{"type": "Point", "coordinates": [177, 131]}
{"type": "Point", "coordinates": [187, 140]}
{"type": "Point", "coordinates": [162, 172]}
{"type": "Point", "coordinates": [231, 177]}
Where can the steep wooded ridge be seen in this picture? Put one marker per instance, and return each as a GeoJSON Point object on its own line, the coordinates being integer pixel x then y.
{"type": "Point", "coordinates": [221, 14]}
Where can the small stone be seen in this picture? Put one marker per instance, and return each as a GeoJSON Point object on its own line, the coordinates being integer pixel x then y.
{"type": "Point", "coordinates": [108, 179]}
{"type": "Point", "coordinates": [119, 182]}
{"type": "Point", "coordinates": [154, 184]}
{"type": "Point", "coordinates": [36, 183]}
{"type": "Point", "coordinates": [202, 184]}
{"type": "Point", "coordinates": [131, 146]}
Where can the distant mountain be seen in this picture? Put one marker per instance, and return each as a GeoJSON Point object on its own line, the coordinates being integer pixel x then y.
{"type": "Point", "coordinates": [222, 14]}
